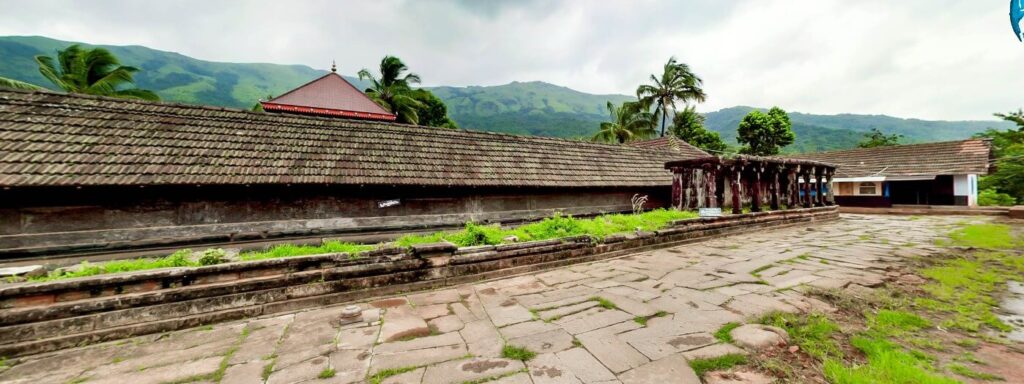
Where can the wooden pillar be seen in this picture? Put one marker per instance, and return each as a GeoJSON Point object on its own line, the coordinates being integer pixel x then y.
{"type": "Point", "coordinates": [755, 196]}
{"type": "Point", "coordinates": [831, 194]}
{"type": "Point", "coordinates": [719, 186]}
{"type": "Point", "coordinates": [819, 182]}
{"type": "Point", "coordinates": [774, 187]}
{"type": "Point", "coordinates": [677, 189]}
{"type": "Point", "coordinates": [737, 205]}
{"type": "Point", "coordinates": [710, 187]}
{"type": "Point", "coordinates": [807, 188]}
{"type": "Point", "coordinates": [794, 187]}
{"type": "Point", "coordinates": [694, 189]}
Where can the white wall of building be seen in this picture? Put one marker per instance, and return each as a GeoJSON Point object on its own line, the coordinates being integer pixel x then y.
{"type": "Point", "coordinates": [966, 185]}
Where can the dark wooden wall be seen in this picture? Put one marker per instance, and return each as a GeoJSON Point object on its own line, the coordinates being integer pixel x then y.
{"type": "Point", "coordinates": [63, 219]}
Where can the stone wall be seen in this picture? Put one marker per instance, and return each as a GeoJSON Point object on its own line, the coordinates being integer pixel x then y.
{"type": "Point", "coordinates": [40, 317]}
{"type": "Point", "coordinates": [51, 221]}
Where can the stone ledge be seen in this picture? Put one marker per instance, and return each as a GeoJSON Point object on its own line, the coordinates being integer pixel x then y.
{"type": "Point", "coordinates": [296, 283]}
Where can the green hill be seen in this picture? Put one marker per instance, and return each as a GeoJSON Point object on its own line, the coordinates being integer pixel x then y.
{"type": "Point", "coordinates": [527, 108]}
{"type": "Point", "coordinates": [830, 132]}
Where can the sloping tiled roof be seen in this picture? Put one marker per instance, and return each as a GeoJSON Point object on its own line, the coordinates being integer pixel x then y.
{"type": "Point", "coordinates": [942, 158]}
{"type": "Point", "coordinates": [329, 95]}
{"type": "Point", "coordinates": [49, 139]}
{"type": "Point", "coordinates": [670, 143]}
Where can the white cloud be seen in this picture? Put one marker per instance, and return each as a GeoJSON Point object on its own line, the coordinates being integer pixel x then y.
{"type": "Point", "coordinates": [937, 59]}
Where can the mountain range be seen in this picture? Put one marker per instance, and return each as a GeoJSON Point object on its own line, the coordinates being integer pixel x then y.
{"type": "Point", "coordinates": [525, 108]}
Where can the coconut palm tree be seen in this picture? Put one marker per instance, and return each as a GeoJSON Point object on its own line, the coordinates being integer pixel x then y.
{"type": "Point", "coordinates": [15, 84]}
{"type": "Point", "coordinates": [677, 84]}
{"type": "Point", "coordinates": [630, 121]}
{"type": "Point", "coordinates": [93, 71]}
{"type": "Point", "coordinates": [393, 90]}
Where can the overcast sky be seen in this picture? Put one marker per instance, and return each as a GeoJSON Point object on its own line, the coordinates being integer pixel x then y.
{"type": "Point", "coordinates": [933, 59]}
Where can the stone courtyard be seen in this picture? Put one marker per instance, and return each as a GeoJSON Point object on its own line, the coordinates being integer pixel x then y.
{"type": "Point", "coordinates": [634, 319]}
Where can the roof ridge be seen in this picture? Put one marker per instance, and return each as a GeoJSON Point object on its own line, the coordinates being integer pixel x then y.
{"type": "Point", "coordinates": [889, 147]}
{"type": "Point", "coordinates": [364, 124]}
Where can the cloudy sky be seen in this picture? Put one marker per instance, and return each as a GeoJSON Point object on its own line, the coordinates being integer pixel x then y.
{"type": "Point", "coordinates": [933, 59]}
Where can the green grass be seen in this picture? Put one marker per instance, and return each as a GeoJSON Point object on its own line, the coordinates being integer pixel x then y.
{"type": "Point", "coordinates": [177, 259]}
{"type": "Point", "coordinates": [964, 371]}
{"type": "Point", "coordinates": [291, 250]}
{"type": "Point", "coordinates": [813, 333]}
{"type": "Point", "coordinates": [327, 373]}
{"type": "Point", "coordinates": [603, 302]}
{"type": "Point", "coordinates": [724, 334]}
{"type": "Point", "coordinates": [702, 366]}
{"type": "Point", "coordinates": [887, 363]}
{"type": "Point", "coordinates": [891, 323]}
{"type": "Point", "coordinates": [554, 227]}
{"type": "Point", "coordinates": [181, 258]}
{"type": "Point", "coordinates": [517, 353]}
{"type": "Point", "coordinates": [991, 236]}
{"type": "Point", "coordinates": [386, 373]}
{"type": "Point", "coordinates": [642, 320]}
{"type": "Point", "coordinates": [557, 226]}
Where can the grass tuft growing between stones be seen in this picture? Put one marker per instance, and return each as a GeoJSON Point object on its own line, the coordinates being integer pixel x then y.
{"type": "Point", "coordinates": [603, 302]}
{"type": "Point", "coordinates": [813, 333]}
{"type": "Point", "coordinates": [724, 334]}
{"type": "Point", "coordinates": [887, 363]}
{"type": "Point", "coordinates": [327, 373]}
{"type": "Point", "coordinates": [517, 353]}
{"type": "Point", "coordinates": [964, 371]}
{"type": "Point", "coordinates": [642, 320]}
{"type": "Point", "coordinates": [378, 377]}
{"type": "Point", "coordinates": [702, 366]}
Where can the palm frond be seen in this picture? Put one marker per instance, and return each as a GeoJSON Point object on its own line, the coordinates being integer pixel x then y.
{"type": "Point", "coordinates": [15, 84]}
{"type": "Point", "coordinates": [50, 72]}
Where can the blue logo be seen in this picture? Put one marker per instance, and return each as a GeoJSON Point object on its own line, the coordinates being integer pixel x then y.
{"type": "Point", "coordinates": [1016, 14]}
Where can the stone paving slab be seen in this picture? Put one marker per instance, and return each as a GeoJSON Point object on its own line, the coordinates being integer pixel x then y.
{"type": "Point", "coordinates": [456, 334]}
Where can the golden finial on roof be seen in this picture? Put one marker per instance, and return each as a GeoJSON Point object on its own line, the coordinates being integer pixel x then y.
{"type": "Point", "coordinates": [334, 66]}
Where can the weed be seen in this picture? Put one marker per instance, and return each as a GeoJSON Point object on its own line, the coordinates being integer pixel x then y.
{"type": "Point", "coordinates": [517, 353]}
{"type": "Point", "coordinates": [890, 323]}
{"type": "Point", "coordinates": [212, 256]}
{"type": "Point", "coordinates": [386, 373]}
{"type": "Point", "coordinates": [267, 370]}
{"type": "Point", "coordinates": [724, 334]}
{"type": "Point", "coordinates": [642, 320]}
{"type": "Point", "coordinates": [603, 303]}
{"type": "Point", "coordinates": [813, 333]}
{"type": "Point", "coordinates": [964, 371]}
{"type": "Point", "coordinates": [966, 343]}
{"type": "Point", "coordinates": [757, 272]}
{"type": "Point", "coordinates": [887, 363]}
{"type": "Point", "coordinates": [327, 373]}
{"type": "Point", "coordinates": [576, 342]}
{"type": "Point", "coordinates": [702, 366]}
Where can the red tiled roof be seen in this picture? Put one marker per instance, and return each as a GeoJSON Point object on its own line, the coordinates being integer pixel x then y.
{"type": "Point", "coordinates": [52, 139]}
{"type": "Point", "coordinates": [670, 143]}
{"type": "Point", "coordinates": [942, 158]}
{"type": "Point", "coordinates": [330, 95]}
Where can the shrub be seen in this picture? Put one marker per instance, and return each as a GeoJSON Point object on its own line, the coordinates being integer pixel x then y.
{"type": "Point", "coordinates": [212, 256]}
{"type": "Point", "coordinates": [989, 197]}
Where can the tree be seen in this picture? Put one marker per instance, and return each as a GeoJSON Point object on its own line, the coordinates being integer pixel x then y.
{"type": "Point", "coordinates": [393, 90]}
{"type": "Point", "coordinates": [92, 71]}
{"type": "Point", "coordinates": [15, 84]}
{"type": "Point", "coordinates": [630, 121]}
{"type": "Point", "coordinates": [432, 111]}
{"type": "Point", "coordinates": [764, 134]}
{"type": "Point", "coordinates": [677, 84]}
{"type": "Point", "coordinates": [878, 139]}
{"type": "Point", "coordinates": [1008, 147]}
{"type": "Point", "coordinates": [688, 125]}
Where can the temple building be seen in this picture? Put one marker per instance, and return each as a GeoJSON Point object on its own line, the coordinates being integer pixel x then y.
{"type": "Point", "coordinates": [330, 95]}
{"type": "Point", "coordinates": [83, 173]}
